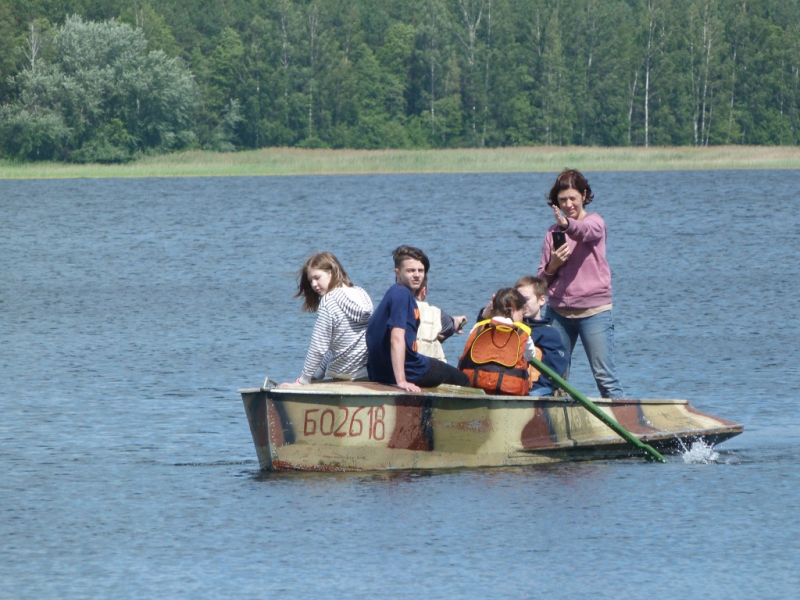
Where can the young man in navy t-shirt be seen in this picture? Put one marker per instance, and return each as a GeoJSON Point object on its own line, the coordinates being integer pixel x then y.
{"type": "Point", "coordinates": [392, 332]}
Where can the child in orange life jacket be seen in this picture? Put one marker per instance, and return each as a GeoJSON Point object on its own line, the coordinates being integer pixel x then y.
{"type": "Point", "coordinates": [545, 337]}
{"type": "Point", "coordinates": [498, 349]}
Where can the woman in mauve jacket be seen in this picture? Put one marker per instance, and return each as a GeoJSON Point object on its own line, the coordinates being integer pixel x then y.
{"type": "Point", "coordinates": [579, 278]}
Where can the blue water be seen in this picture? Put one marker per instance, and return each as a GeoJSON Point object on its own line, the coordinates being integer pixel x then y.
{"type": "Point", "coordinates": [132, 310]}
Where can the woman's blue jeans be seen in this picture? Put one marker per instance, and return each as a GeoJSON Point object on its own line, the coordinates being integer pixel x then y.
{"type": "Point", "coordinates": [597, 336]}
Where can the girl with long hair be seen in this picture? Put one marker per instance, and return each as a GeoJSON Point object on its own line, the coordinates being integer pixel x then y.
{"type": "Point", "coordinates": [338, 349]}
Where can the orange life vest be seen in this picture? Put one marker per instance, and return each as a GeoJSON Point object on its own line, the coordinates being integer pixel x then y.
{"type": "Point", "coordinates": [494, 358]}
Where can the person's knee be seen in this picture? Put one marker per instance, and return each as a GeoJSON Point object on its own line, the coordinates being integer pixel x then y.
{"type": "Point", "coordinates": [461, 378]}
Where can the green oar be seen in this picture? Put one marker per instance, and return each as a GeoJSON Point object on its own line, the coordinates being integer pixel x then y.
{"type": "Point", "coordinates": [651, 453]}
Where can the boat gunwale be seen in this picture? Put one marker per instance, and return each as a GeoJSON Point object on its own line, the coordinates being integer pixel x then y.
{"type": "Point", "coordinates": [288, 392]}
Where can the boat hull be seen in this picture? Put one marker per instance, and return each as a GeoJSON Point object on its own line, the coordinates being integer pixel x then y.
{"type": "Point", "coordinates": [352, 426]}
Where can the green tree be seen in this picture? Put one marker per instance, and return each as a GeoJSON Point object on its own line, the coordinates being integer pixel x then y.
{"type": "Point", "coordinates": [425, 73]}
{"type": "Point", "coordinates": [8, 46]}
{"type": "Point", "coordinates": [141, 15]}
{"type": "Point", "coordinates": [557, 106]}
{"type": "Point", "coordinates": [223, 89]}
{"type": "Point", "coordinates": [471, 28]}
{"type": "Point", "coordinates": [113, 98]}
{"type": "Point", "coordinates": [736, 34]}
{"type": "Point", "coordinates": [768, 102]}
{"type": "Point", "coordinates": [395, 58]}
{"type": "Point", "coordinates": [430, 79]}
{"type": "Point", "coordinates": [601, 56]}
{"type": "Point", "coordinates": [282, 113]}
{"type": "Point", "coordinates": [707, 51]}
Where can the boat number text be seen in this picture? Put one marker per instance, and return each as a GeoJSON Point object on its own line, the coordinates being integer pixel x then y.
{"type": "Point", "coordinates": [346, 422]}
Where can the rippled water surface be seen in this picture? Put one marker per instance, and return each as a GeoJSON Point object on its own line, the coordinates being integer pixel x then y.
{"type": "Point", "coordinates": [132, 310]}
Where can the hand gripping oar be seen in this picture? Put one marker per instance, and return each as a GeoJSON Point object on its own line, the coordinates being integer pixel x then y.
{"type": "Point", "coordinates": [651, 453]}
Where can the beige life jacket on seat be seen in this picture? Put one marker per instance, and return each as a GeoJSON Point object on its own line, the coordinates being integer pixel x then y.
{"type": "Point", "coordinates": [430, 326]}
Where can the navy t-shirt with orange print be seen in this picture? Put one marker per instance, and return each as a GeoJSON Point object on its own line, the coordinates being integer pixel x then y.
{"type": "Point", "coordinates": [397, 309]}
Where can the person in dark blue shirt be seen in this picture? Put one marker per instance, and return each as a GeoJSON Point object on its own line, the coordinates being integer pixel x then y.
{"type": "Point", "coordinates": [392, 332]}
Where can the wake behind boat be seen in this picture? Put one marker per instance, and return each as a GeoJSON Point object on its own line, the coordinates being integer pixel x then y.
{"type": "Point", "coordinates": [352, 426]}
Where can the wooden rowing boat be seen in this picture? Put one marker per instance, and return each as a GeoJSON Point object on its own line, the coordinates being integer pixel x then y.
{"type": "Point", "coordinates": [351, 426]}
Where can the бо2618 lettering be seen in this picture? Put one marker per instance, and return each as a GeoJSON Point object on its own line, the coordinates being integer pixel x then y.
{"type": "Point", "coordinates": [339, 422]}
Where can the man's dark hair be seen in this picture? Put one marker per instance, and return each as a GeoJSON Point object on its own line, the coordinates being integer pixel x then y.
{"type": "Point", "coordinates": [402, 253]}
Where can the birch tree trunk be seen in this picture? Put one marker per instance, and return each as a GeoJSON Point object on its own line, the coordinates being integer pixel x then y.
{"type": "Point", "coordinates": [285, 55]}
{"type": "Point", "coordinates": [313, 33]}
{"type": "Point", "coordinates": [34, 45]}
{"type": "Point", "coordinates": [648, 64]}
{"type": "Point", "coordinates": [632, 99]}
{"type": "Point", "coordinates": [471, 14]}
{"type": "Point", "coordinates": [486, 63]}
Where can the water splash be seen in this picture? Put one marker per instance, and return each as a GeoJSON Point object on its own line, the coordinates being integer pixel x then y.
{"type": "Point", "coordinates": [700, 453]}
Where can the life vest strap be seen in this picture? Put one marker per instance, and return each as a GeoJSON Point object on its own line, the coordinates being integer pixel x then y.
{"type": "Point", "coordinates": [493, 368]}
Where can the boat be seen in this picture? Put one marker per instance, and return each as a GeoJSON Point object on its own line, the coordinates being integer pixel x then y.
{"type": "Point", "coordinates": [360, 426]}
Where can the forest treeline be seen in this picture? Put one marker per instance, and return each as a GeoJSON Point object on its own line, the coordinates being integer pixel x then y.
{"type": "Point", "coordinates": [110, 80]}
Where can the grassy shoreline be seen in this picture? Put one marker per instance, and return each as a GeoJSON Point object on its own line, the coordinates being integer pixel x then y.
{"type": "Point", "coordinates": [296, 161]}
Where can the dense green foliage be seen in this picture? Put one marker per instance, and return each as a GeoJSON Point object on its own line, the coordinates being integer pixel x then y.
{"type": "Point", "coordinates": [395, 73]}
{"type": "Point", "coordinates": [96, 95]}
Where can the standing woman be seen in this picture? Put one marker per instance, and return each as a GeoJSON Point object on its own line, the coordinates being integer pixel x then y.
{"type": "Point", "coordinates": [338, 347]}
{"type": "Point", "coordinates": [579, 278]}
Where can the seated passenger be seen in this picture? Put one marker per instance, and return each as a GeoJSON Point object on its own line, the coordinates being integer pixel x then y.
{"type": "Point", "coordinates": [545, 337]}
{"type": "Point", "coordinates": [338, 348]}
{"type": "Point", "coordinates": [435, 325]}
{"type": "Point", "coordinates": [496, 355]}
{"type": "Point", "coordinates": [392, 332]}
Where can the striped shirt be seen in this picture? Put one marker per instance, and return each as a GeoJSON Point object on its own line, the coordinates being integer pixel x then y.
{"type": "Point", "coordinates": [338, 347]}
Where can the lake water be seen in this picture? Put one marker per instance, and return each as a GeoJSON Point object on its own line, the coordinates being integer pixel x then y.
{"type": "Point", "coordinates": [131, 311]}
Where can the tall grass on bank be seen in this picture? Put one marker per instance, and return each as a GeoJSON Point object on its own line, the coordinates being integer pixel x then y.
{"type": "Point", "coordinates": [295, 161]}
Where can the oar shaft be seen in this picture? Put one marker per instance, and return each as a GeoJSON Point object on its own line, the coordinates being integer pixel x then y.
{"type": "Point", "coordinates": [595, 410]}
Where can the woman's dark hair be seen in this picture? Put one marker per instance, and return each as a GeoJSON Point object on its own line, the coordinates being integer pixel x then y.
{"type": "Point", "coordinates": [570, 178]}
{"type": "Point", "coordinates": [506, 301]}
{"type": "Point", "coordinates": [325, 261]}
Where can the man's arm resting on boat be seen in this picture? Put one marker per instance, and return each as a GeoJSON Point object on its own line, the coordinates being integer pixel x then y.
{"type": "Point", "coordinates": [398, 349]}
